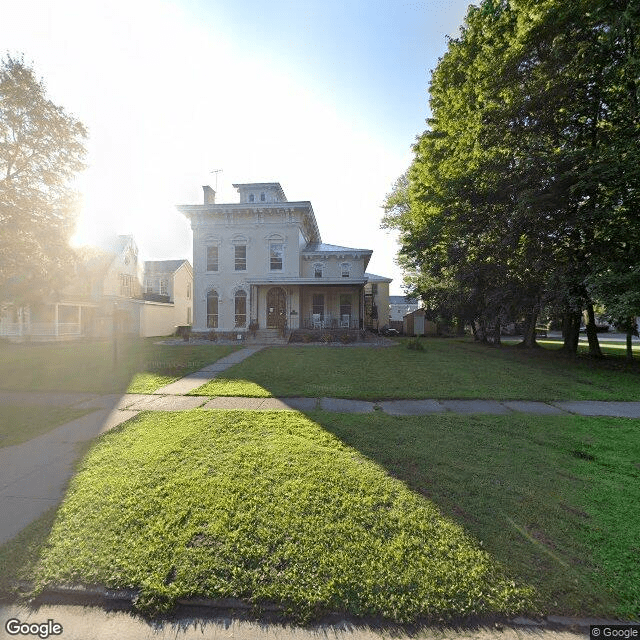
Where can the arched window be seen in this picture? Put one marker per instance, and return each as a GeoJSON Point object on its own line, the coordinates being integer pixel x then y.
{"type": "Point", "coordinates": [212, 310]}
{"type": "Point", "coordinates": [317, 270]}
{"type": "Point", "coordinates": [241, 309]}
{"type": "Point", "coordinates": [262, 197]}
{"type": "Point", "coordinates": [345, 270]}
{"type": "Point", "coordinates": [251, 197]}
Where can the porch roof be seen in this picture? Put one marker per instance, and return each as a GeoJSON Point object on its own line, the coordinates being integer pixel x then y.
{"type": "Point", "coordinates": [317, 282]}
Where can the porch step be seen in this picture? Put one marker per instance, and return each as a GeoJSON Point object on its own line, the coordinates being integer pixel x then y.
{"type": "Point", "coordinates": [267, 336]}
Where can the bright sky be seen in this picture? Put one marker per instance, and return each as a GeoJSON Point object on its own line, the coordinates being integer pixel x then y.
{"type": "Point", "coordinates": [324, 96]}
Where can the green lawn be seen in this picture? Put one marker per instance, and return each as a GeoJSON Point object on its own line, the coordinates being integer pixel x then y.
{"type": "Point", "coordinates": [445, 369]}
{"type": "Point", "coordinates": [269, 507]}
{"type": "Point", "coordinates": [19, 424]}
{"type": "Point", "coordinates": [141, 366]}
{"type": "Point", "coordinates": [437, 516]}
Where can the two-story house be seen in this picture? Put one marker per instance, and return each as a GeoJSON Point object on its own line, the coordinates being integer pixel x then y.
{"type": "Point", "coordinates": [261, 262]}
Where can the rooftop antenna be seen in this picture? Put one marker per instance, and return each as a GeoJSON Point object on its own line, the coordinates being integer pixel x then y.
{"type": "Point", "coordinates": [216, 171]}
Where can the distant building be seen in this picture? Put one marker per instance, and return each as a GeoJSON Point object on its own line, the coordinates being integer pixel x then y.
{"type": "Point", "coordinates": [399, 306]}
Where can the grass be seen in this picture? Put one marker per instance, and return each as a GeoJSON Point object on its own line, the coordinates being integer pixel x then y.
{"type": "Point", "coordinates": [268, 507]}
{"type": "Point", "coordinates": [445, 369]}
{"type": "Point", "coordinates": [19, 423]}
{"type": "Point", "coordinates": [401, 517]}
{"type": "Point", "coordinates": [142, 366]}
{"type": "Point", "coordinates": [556, 499]}
{"type": "Point", "coordinates": [20, 556]}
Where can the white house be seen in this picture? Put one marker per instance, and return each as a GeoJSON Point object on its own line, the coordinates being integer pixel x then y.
{"type": "Point", "coordinates": [150, 299]}
{"type": "Point", "coordinates": [261, 263]}
{"type": "Point", "coordinates": [399, 306]}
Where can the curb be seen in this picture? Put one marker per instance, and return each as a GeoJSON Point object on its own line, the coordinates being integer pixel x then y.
{"type": "Point", "coordinates": [125, 598]}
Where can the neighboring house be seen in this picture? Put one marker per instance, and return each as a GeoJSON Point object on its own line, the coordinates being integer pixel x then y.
{"type": "Point", "coordinates": [399, 306]}
{"type": "Point", "coordinates": [167, 282]}
{"type": "Point", "coordinates": [261, 263]}
{"type": "Point", "coordinates": [108, 281]}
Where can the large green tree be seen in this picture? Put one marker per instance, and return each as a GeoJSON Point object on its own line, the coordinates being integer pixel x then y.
{"type": "Point", "coordinates": [527, 174]}
{"type": "Point", "coordinates": [41, 149]}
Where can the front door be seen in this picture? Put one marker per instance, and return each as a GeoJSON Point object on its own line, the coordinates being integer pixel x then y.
{"type": "Point", "coordinates": [276, 307]}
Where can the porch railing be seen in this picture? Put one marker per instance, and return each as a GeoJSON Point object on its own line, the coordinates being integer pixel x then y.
{"type": "Point", "coordinates": [9, 329]}
{"type": "Point", "coordinates": [330, 322]}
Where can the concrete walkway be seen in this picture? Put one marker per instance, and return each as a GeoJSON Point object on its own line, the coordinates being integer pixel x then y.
{"type": "Point", "coordinates": [198, 378]}
{"type": "Point", "coordinates": [34, 474]}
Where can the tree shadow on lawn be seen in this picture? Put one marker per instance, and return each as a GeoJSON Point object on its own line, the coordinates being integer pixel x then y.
{"type": "Point", "coordinates": [515, 483]}
{"type": "Point", "coordinates": [101, 366]}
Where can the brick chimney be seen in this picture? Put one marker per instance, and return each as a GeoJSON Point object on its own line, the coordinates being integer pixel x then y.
{"type": "Point", "coordinates": [209, 195]}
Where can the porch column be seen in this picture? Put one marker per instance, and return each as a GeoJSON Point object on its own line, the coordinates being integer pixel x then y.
{"type": "Point", "coordinates": [79, 319]}
{"type": "Point", "coordinates": [55, 319]}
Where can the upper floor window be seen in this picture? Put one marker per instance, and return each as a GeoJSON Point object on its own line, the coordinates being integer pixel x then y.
{"type": "Point", "coordinates": [276, 253]}
{"type": "Point", "coordinates": [345, 270]}
{"type": "Point", "coordinates": [126, 285]}
{"type": "Point", "coordinates": [251, 197]}
{"type": "Point", "coordinates": [212, 258]}
{"type": "Point", "coordinates": [188, 292]}
{"type": "Point", "coordinates": [163, 287]}
{"type": "Point", "coordinates": [262, 197]}
{"type": "Point", "coordinates": [374, 288]}
{"type": "Point", "coordinates": [317, 270]}
{"type": "Point", "coordinates": [149, 286]}
{"type": "Point", "coordinates": [240, 257]}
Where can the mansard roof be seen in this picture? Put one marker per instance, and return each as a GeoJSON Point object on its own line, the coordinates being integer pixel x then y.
{"type": "Point", "coordinates": [321, 247]}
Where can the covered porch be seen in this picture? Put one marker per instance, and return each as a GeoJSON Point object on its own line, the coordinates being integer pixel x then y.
{"type": "Point", "coordinates": [49, 321]}
{"type": "Point", "coordinates": [293, 306]}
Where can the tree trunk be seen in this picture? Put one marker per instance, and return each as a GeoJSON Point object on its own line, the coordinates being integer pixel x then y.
{"type": "Point", "coordinates": [474, 328]}
{"type": "Point", "coordinates": [529, 337]}
{"type": "Point", "coordinates": [629, 346]}
{"type": "Point", "coordinates": [571, 332]}
{"type": "Point", "coordinates": [496, 332]}
{"type": "Point", "coordinates": [592, 333]}
{"type": "Point", "coordinates": [482, 330]}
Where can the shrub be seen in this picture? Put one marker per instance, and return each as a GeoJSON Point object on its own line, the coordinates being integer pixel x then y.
{"type": "Point", "coordinates": [213, 336]}
{"type": "Point", "coordinates": [307, 337]}
{"type": "Point", "coordinates": [415, 344]}
{"type": "Point", "coordinates": [346, 337]}
{"type": "Point", "coordinates": [326, 337]}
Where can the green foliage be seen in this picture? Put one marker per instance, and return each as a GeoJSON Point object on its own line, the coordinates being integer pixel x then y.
{"type": "Point", "coordinates": [524, 189]}
{"type": "Point", "coordinates": [41, 149]}
{"type": "Point", "coordinates": [415, 344]}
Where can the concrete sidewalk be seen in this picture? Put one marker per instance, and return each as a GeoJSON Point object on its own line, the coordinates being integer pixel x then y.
{"type": "Point", "coordinates": [34, 474]}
